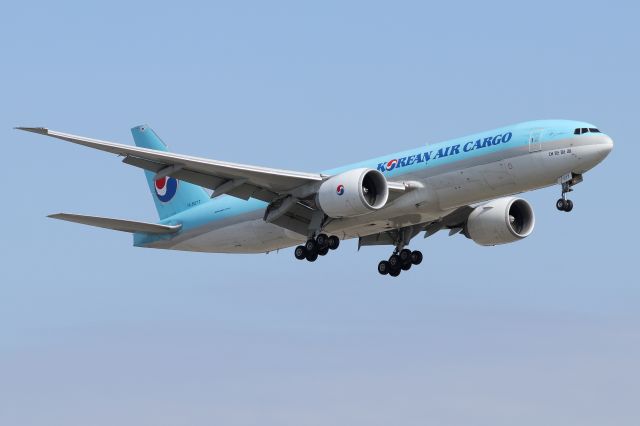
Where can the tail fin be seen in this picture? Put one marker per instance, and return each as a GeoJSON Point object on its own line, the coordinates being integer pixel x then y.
{"type": "Point", "coordinates": [170, 195]}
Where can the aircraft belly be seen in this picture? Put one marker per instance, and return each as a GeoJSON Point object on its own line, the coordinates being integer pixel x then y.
{"type": "Point", "coordinates": [254, 236]}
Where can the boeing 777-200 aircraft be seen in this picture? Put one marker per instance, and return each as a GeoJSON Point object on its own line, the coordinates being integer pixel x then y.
{"type": "Point", "coordinates": [465, 185]}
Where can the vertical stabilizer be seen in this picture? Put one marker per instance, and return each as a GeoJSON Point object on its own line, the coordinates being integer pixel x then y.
{"type": "Point", "coordinates": [170, 195]}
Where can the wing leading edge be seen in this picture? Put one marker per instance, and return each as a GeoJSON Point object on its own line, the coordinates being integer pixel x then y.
{"type": "Point", "coordinates": [240, 180]}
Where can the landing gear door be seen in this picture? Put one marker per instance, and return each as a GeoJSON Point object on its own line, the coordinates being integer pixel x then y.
{"type": "Point", "coordinates": [535, 144]}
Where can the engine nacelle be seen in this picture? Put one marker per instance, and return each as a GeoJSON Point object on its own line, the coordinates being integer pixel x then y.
{"type": "Point", "coordinates": [353, 193]}
{"type": "Point", "coordinates": [500, 221]}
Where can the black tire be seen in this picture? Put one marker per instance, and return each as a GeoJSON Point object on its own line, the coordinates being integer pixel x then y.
{"type": "Point", "coordinates": [561, 204]}
{"type": "Point", "coordinates": [394, 272]}
{"type": "Point", "coordinates": [322, 240]}
{"type": "Point", "coordinates": [405, 255]}
{"type": "Point", "coordinates": [311, 245]}
{"type": "Point", "coordinates": [394, 261]}
{"type": "Point", "coordinates": [312, 256]}
{"type": "Point", "coordinates": [334, 242]}
{"type": "Point", "coordinates": [416, 257]}
{"type": "Point", "coordinates": [383, 267]}
{"type": "Point", "coordinates": [300, 253]}
{"type": "Point", "coordinates": [323, 251]}
{"type": "Point", "coordinates": [406, 265]}
{"type": "Point", "coordinates": [568, 206]}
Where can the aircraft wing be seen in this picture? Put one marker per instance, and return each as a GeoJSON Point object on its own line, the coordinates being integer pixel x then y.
{"type": "Point", "coordinates": [117, 224]}
{"type": "Point", "coordinates": [239, 180]}
{"type": "Point", "coordinates": [288, 192]}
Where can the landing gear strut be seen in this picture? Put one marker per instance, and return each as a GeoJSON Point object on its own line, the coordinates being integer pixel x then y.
{"type": "Point", "coordinates": [400, 260]}
{"type": "Point", "coordinates": [567, 181]}
{"type": "Point", "coordinates": [318, 246]}
{"type": "Point", "coordinates": [564, 204]}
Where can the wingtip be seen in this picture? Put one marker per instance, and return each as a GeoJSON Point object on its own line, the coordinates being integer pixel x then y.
{"type": "Point", "coordinates": [40, 130]}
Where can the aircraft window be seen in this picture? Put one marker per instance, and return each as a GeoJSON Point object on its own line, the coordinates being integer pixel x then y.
{"type": "Point", "coordinates": [580, 131]}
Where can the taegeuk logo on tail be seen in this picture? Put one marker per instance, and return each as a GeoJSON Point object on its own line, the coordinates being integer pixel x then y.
{"type": "Point", "coordinates": [166, 188]}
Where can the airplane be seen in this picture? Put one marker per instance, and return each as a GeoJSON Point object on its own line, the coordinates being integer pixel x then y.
{"type": "Point", "coordinates": [466, 185]}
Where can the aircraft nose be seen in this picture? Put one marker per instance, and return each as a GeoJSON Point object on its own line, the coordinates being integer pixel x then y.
{"type": "Point", "coordinates": [605, 146]}
{"type": "Point", "coordinates": [596, 150]}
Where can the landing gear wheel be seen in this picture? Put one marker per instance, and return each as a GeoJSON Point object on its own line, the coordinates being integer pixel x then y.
{"type": "Point", "coordinates": [394, 262]}
{"type": "Point", "coordinates": [334, 242]}
{"type": "Point", "coordinates": [568, 206]}
{"type": "Point", "coordinates": [300, 253]}
{"type": "Point", "coordinates": [406, 265]}
{"type": "Point", "coordinates": [416, 257]}
{"type": "Point", "coordinates": [323, 251]}
{"type": "Point", "coordinates": [312, 256]}
{"type": "Point", "coordinates": [561, 204]}
{"type": "Point", "coordinates": [383, 267]}
{"type": "Point", "coordinates": [394, 272]}
{"type": "Point", "coordinates": [405, 255]}
{"type": "Point", "coordinates": [311, 245]}
{"type": "Point", "coordinates": [322, 240]}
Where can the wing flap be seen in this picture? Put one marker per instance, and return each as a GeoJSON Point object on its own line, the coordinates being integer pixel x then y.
{"type": "Point", "coordinates": [118, 224]}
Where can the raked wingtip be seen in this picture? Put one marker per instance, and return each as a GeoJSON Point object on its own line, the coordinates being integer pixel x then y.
{"type": "Point", "coordinates": [40, 130]}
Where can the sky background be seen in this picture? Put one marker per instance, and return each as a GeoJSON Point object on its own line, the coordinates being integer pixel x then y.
{"type": "Point", "coordinates": [96, 332]}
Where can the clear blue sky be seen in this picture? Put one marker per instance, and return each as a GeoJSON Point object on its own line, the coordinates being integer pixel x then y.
{"type": "Point", "coordinates": [96, 332]}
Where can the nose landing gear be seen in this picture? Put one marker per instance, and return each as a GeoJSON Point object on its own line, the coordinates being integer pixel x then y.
{"type": "Point", "coordinates": [315, 247]}
{"type": "Point", "coordinates": [564, 204]}
{"type": "Point", "coordinates": [567, 181]}
{"type": "Point", "coordinates": [399, 261]}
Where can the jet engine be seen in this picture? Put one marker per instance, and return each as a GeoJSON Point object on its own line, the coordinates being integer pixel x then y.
{"type": "Point", "coordinates": [353, 193]}
{"type": "Point", "coordinates": [500, 221]}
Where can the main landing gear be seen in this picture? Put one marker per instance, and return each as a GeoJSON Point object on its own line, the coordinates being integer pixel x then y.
{"type": "Point", "coordinates": [399, 261]}
{"type": "Point", "coordinates": [315, 247]}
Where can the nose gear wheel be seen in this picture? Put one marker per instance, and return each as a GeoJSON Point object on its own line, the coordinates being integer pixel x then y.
{"type": "Point", "coordinates": [564, 204]}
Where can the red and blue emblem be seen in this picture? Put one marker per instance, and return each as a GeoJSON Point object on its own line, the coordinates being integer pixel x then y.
{"type": "Point", "coordinates": [391, 164]}
{"type": "Point", "coordinates": [340, 189]}
{"type": "Point", "coordinates": [166, 188]}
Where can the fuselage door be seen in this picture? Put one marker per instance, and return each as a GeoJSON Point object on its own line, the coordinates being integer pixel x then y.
{"type": "Point", "coordinates": [535, 143]}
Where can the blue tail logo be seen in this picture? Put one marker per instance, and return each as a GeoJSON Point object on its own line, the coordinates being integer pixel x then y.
{"type": "Point", "coordinates": [166, 188]}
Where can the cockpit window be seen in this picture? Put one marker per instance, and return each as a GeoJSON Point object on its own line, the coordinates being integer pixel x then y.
{"type": "Point", "coordinates": [580, 131]}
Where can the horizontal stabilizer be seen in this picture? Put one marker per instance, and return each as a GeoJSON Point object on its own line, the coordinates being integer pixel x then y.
{"type": "Point", "coordinates": [118, 224]}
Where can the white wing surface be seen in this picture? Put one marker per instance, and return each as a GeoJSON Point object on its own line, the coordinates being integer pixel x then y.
{"type": "Point", "coordinates": [118, 224]}
{"type": "Point", "coordinates": [240, 180]}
